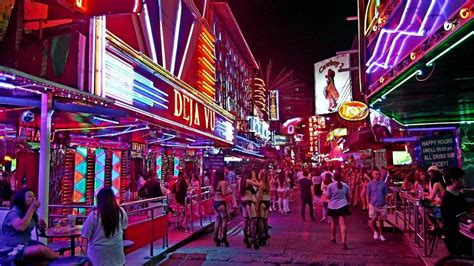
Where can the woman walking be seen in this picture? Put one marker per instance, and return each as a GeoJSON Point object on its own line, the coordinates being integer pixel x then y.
{"type": "Point", "coordinates": [220, 208]}
{"type": "Point", "coordinates": [324, 197]}
{"type": "Point", "coordinates": [248, 191]}
{"type": "Point", "coordinates": [338, 207]}
{"type": "Point", "coordinates": [103, 229]}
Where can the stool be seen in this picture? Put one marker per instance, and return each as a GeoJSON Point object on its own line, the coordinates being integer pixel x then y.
{"type": "Point", "coordinates": [71, 260]}
{"type": "Point", "coordinates": [60, 246]}
{"type": "Point", "coordinates": [436, 234]}
{"type": "Point", "coordinates": [128, 243]}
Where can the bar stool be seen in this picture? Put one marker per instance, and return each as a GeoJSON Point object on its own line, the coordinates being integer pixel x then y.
{"type": "Point", "coordinates": [436, 234]}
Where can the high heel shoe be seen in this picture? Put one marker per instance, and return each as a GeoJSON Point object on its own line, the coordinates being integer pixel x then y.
{"type": "Point", "coordinates": [217, 242]}
{"type": "Point", "coordinates": [247, 243]}
{"type": "Point", "coordinates": [255, 245]}
{"type": "Point", "coordinates": [225, 242]}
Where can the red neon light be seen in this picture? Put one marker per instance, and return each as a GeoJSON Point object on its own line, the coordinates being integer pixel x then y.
{"type": "Point", "coordinates": [136, 6]}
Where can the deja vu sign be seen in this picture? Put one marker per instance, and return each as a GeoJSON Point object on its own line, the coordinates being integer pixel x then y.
{"type": "Point", "coordinates": [439, 151]}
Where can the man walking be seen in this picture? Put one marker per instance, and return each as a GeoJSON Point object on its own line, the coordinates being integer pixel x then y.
{"type": "Point", "coordinates": [307, 195]}
{"type": "Point", "coordinates": [376, 192]}
{"type": "Point", "coordinates": [232, 180]}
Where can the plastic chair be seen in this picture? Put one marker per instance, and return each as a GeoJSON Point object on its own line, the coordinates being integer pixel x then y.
{"type": "Point", "coordinates": [128, 243]}
{"type": "Point", "coordinates": [60, 246]}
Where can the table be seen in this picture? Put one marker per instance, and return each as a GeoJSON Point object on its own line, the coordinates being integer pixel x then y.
{"type": "Point", "coordinates": [464, 229]}
{"type": "Point", "coordinates": [71, 234]}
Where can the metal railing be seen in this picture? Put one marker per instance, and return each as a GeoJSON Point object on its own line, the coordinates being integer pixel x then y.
{"type": "Point", "coordinates": [146, 208]}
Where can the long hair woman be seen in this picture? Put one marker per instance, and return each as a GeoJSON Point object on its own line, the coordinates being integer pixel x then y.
{"type": "Point", "coordinates": [103, 229]}
{"type": "Point", "coordinates": [263, 206]}
{"type": "Point", "coordinates": [219, 186]}
{"type": "Point", "coordinates": [180, 190]}
{"type": "Point", "coordinates": [338, 207]}
{"type": "Point", "coordinates": [20, 220]}
{"type": "Point", "coordinates": [248, 191]}
{"type": "Point", "coordinates": [282, 197]}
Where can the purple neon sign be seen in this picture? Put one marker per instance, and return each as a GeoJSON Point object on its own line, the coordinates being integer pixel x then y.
{"type": "Point", "coordinates": [408, 27]}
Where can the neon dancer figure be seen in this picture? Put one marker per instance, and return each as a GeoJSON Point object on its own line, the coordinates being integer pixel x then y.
{"type": "Point", "coordinates": [330, 91]}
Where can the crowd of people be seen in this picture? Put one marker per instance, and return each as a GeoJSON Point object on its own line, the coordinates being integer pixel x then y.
{"type": "Point", "coordinates": [257, 190]}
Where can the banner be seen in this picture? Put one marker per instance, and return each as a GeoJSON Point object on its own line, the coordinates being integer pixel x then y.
{"type": "Point", "coordinates": [439, 151]}
{"type": "Point", "coordinates": [332, 88]}
{"type": "Point", "coordinates": [273, 106]}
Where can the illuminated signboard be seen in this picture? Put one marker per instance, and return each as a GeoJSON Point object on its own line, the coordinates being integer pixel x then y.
{"type": "Point", "coordinates": [6, 8]}
{"type": "Point", "coordinates": [288, 128]}
{"type": "Point", "coordinates": [138, 150]}
{"type": "Point", "coordinates": [353, 111]}
{"type": "Point", "coordinates": [379, 119]}
{"type": "Point", "coordinates": [273, 106]}
{"type": "Point", "coordinates": [281, 140]}
{"type": "Point", "coordinates": [332, 88]}
{"type": "Point", "coordinates": [313, 131]}
{"type": "Point", "coordinates": [397, 34]}
{"type": "Point", "coordinates": [260, 128]}
{"type": "Point", "coordinates": [105, 7]}
{"type": "Point", "coordinates": [145, 92]}
{"type": "Point", "coordinates": [337, 132]}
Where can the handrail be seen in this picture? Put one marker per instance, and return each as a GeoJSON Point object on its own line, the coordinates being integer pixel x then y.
{"type": "Point", "coordinates": [144, 207]}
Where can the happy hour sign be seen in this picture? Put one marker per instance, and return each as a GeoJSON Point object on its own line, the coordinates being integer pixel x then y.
{"type": "Point", "coordinates": [439, 151]}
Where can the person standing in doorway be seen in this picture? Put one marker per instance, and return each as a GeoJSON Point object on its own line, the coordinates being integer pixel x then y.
{"type": "Point", "coordinates": [376, 193]}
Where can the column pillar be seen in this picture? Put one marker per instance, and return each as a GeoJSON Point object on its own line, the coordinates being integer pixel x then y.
{"type": "Point", "coordinates": [45, 154]}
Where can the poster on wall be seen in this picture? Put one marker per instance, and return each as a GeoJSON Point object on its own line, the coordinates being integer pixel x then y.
{"type": "Point", "coordinates": [6, 8]}
{"type": "Point", "coordinates": [332, 88]}
{"type": "Point", "coordinates": [439, 151]}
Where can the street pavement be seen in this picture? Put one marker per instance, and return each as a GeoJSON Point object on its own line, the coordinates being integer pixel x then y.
{"type": "Point", "coordinates": [296, 242]}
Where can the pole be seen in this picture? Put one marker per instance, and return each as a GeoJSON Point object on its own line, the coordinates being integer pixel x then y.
{"type": "Point", "coordinates": [361, 45]}
{"type": "Point", "coordinates": [45, 154]}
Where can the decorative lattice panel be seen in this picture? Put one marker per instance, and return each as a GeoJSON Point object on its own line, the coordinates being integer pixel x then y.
{"type": "Point", "coordinates": [80, 171]}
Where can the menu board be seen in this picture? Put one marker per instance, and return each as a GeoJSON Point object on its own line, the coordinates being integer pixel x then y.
{"type": "Point", "coordinates": [439, 151]}
{"type": "Point", "coordinates": [215, 161]}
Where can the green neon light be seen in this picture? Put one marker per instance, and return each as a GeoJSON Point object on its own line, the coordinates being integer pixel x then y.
{"type": "Point", "coordinates": [417, 72]}
{"type": "Point", "coordinates": [430, 63]}
{"type": "Point", "coordinates": [440, 122]}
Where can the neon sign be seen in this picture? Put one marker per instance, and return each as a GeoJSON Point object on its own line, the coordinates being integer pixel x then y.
{"type": "Point", "coordinates": [353, 111]}
{"type": "Point", "coordinates": [274, 106]}
{"type": "Point", "coordinates": [188, 110]}
{"type": "Point", "coordinates": [260, 128]}
{"type": "Point", "coordinates": [409, 27]}
{"type": "Point", "coordinates": [135, 87]}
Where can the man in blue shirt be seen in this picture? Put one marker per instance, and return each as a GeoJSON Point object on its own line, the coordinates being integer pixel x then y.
{"type": "Point", "coordinates": [376, 192]}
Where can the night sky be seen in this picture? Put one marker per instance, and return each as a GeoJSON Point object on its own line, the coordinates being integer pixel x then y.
{"type": "Point", "coordinates": [296, 34]}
